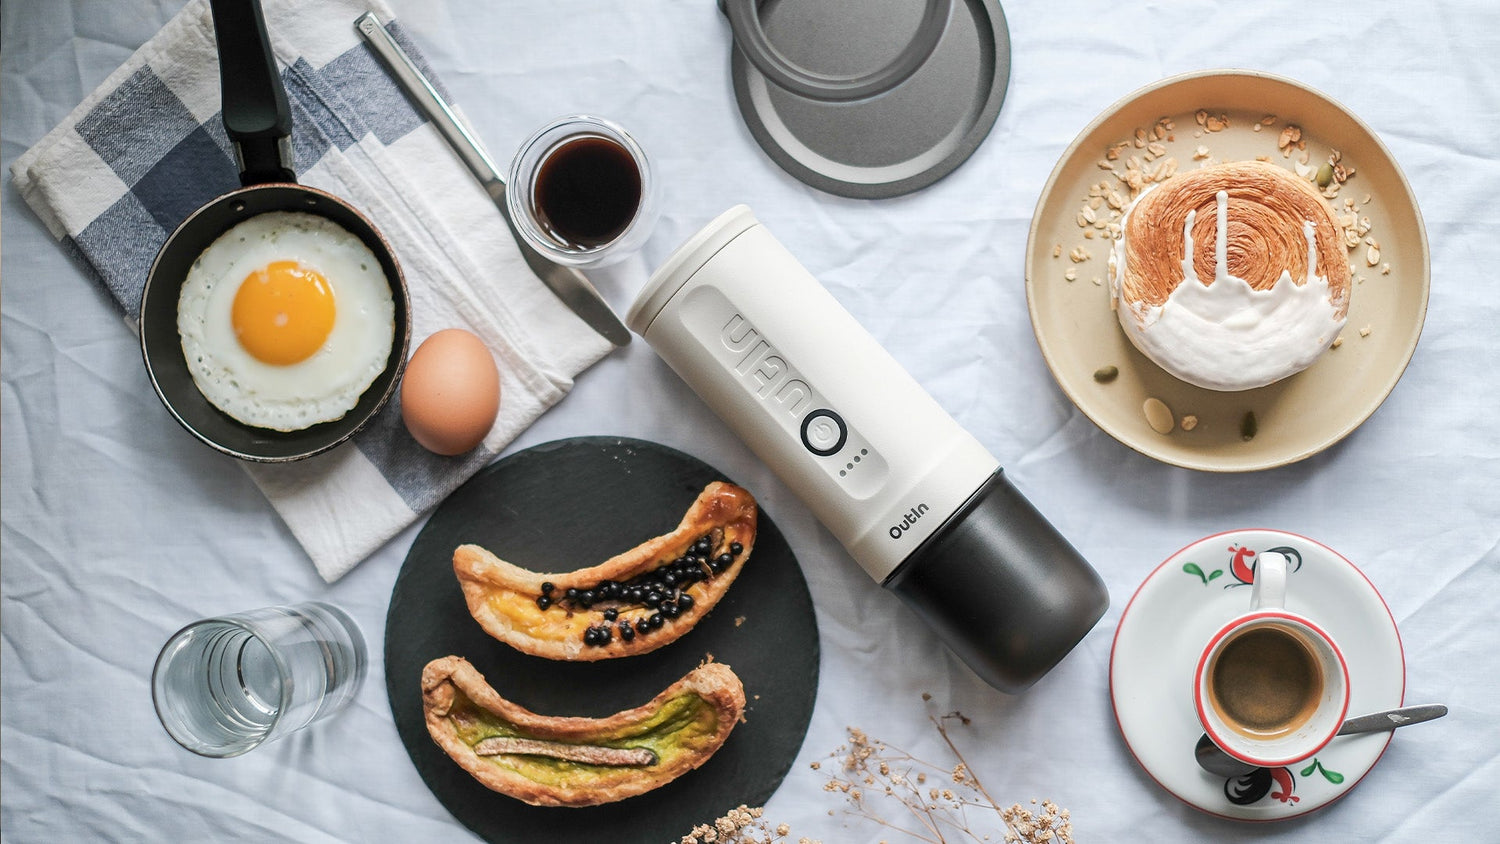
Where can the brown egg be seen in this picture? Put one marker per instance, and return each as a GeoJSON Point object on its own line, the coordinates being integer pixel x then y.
{"type": "Point", "coordinates": [450, 394]}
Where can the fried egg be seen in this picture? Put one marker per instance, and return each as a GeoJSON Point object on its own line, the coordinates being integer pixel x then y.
{"type": "Point", "coordinates": [285, 320]}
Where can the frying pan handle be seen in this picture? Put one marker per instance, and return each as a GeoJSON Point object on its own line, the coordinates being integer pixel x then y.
{"type": "Point", "coordinates": [256, 114]}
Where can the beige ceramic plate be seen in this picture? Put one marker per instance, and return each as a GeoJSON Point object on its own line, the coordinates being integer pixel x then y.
{"type": "Point", "coordinates": [1298, 416]}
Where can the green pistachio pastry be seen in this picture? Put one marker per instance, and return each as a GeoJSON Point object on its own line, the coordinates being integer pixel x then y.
{"type": "Point", "coordinates": [572, 761]}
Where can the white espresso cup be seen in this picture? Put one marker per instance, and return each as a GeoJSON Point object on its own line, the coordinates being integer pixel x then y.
{"type": "Point", "coordinates": [1271, 687]}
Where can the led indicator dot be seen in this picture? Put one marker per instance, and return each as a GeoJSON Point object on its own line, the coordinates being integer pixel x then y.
{"type": "Point", "coordinates": [864, 451]}
{"type": "Point", "coordinates": [842, 473]}
{"type": "Point", "coordinates": [856, 458]}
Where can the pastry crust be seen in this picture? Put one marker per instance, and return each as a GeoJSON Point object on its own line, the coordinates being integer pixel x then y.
{"type": "Point", "coordinates": [503, 597]}
{"type": "Point", "coordinates": [453, 692]}
{"type": "Point", "coordinates": [1267, 209]}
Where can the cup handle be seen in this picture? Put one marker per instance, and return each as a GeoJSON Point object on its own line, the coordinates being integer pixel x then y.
{"type": "Point", "coordinates": [1269, 589]}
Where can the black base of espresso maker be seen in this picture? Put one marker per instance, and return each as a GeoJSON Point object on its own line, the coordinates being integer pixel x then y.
{"type": "Point", "coordinates": [1002, 587]}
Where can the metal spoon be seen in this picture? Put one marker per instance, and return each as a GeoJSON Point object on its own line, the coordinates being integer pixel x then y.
{"type": "Point", "coordinates": [1219, 763]}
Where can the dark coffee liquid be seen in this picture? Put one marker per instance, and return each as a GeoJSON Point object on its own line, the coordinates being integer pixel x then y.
{"type": "Point", "coordinates": [587, 191]}
{"type": "Point", "coordinates": [1265, 682]}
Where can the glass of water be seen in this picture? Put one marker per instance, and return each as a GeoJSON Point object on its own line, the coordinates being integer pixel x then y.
{"type": "Point", "coordinates": [223, 686]}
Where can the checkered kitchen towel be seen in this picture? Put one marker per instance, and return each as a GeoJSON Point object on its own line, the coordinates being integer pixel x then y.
{"type": "Point", "coordinates": [147, 148]}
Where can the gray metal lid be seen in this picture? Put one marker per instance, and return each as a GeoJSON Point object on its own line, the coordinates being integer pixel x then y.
{"type": "Point", "coordinates": [891, 143]}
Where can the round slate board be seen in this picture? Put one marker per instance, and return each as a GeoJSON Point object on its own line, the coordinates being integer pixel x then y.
{"type": "Point", "coordinates": [573, 504]}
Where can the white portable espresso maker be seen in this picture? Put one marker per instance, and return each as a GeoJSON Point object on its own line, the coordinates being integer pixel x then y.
{"type": "Point", "coordinates": [916, 500]}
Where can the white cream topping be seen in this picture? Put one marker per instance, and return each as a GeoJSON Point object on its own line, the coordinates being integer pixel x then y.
{"type": "Point", "coordinates": [1227, 335]}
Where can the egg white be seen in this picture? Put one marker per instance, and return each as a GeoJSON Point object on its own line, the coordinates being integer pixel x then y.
{"type": "Point", "coordinates": [322, 387]}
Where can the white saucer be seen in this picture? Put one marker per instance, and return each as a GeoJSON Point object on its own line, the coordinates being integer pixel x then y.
{"type": "Point", "coordinates": [1173, 614]}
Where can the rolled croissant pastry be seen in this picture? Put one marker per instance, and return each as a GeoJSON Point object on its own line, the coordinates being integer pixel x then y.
{"type": "Point", "coordinates": [1231, 277]}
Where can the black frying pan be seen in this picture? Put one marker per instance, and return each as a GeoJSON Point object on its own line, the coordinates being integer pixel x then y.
{"type": "Point", "coordinates": [259, 123]}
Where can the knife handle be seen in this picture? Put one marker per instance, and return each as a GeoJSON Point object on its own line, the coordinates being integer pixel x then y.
{"type": "Point", "coordinates": [567, 283]}
{"type": "Point", "coordinates": [432, 104]}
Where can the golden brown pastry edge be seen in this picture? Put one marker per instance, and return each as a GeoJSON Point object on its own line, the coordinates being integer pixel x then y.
{"type": "Point", "coordinates": [479, 571]}
{"type": "Point", "coordinates": [1153, 230]}
{"type": "Point", "coordinates": [446, 677]}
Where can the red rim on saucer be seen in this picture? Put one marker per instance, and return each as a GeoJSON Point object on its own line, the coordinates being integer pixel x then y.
{"type": "Point", "coordinates": [1189, 597]}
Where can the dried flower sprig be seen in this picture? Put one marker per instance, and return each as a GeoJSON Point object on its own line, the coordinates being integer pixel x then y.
{"type": "Point", "coordinates": [937, 800]}
{"type": "Point", "coordinates": [741, 825]}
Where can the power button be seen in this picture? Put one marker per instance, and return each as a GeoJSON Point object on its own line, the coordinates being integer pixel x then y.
{"type": "Point", "coordinates": [823, 432]}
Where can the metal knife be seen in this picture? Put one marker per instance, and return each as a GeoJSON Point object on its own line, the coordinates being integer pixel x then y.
{"type": "Point", "coordinates": [570, 285]}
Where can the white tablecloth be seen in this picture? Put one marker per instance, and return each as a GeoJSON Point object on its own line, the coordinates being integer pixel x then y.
{"type": "Point", "coordinates": [118, 527]}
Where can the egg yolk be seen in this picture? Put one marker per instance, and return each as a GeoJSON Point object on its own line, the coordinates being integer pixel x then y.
{"type": "Point", "coordinates": [283, 313]}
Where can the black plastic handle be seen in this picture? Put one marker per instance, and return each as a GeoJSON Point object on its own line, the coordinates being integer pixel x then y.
{"type": "Point", "coordinates": [256, 114]}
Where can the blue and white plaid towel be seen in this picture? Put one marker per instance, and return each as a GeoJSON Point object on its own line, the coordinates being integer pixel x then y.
{"type": "Point", "coordinates": [147, 148]}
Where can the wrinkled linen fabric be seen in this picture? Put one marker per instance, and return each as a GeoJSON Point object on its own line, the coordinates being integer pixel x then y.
{"type": "Point", "coordinates": [118, 528]}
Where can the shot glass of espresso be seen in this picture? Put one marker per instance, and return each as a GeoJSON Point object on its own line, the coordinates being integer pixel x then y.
{"type": "Point", "coordinates": [582, 192]}
{"type": "Point", "coordinates": [1271, 687]}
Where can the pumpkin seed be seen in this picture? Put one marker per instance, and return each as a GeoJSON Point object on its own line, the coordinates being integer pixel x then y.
{"type": "Point", "coordinates": [1158, 416]}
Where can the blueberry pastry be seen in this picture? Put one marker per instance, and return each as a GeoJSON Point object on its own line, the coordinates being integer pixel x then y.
{"type": "Point", "coordinates": [629, 604]}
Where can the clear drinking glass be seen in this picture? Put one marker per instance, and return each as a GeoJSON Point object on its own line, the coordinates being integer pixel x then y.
{"type": "Point", "coordinates": [224, 686]}
{"type": "Point", "coordinates": [619, 188]}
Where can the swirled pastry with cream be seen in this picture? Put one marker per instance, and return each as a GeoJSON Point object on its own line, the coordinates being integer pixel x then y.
{"type": "Point", "coordinates": [1231, 277]}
